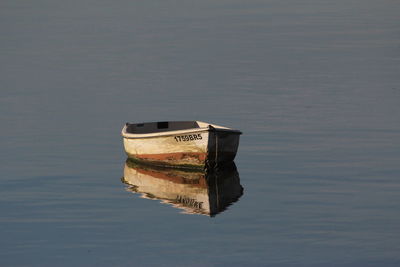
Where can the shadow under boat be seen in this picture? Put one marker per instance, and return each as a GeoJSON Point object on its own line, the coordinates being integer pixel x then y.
{"type": "Point", "coordinates": [195, 192]}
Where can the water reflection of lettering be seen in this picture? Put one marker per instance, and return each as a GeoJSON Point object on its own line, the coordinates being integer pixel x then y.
{"type": "Point", "coordinates": [190, 202]}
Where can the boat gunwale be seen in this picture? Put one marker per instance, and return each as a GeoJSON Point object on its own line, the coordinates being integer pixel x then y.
{"type": "Point", "coordinates": [176, 132]}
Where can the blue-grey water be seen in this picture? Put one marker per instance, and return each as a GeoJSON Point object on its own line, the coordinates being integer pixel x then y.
{"type": "Point", "coordinates": [314, 86]}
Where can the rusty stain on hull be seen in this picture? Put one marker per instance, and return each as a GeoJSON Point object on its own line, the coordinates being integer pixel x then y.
{"type": "Point", "coordinates": [183, 159]}
{"type": "Point", "coordinates": [184, 156]}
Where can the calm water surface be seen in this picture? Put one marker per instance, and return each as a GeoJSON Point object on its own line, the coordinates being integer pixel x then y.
{"type": "Point", "coordinates": [314, 86]}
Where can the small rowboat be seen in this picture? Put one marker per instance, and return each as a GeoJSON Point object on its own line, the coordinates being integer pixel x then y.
{"type": "Point", "coordinates": [180, 144]}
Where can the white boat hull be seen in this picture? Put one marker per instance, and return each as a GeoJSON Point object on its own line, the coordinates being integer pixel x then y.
{"type": "Point", "coordinates": [191, 148]}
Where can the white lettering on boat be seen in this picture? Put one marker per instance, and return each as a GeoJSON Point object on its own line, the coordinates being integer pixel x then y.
{"type": "Point", "coordinates": [188, 137]}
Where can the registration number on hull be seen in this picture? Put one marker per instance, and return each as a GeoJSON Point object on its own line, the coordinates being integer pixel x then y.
{"type": "Point", "coordinates": [188, 137]}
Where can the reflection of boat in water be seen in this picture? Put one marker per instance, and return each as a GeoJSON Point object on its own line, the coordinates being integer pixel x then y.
{"type": "Point", "coordinates": [196, 192]}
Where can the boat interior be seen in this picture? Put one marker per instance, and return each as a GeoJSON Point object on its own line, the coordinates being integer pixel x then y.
{"type": "Point", "coordinates": [163, 126]}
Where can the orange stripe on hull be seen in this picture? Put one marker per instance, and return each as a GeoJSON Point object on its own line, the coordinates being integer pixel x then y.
{"type": "Point", "coordinates": [196, 159]}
